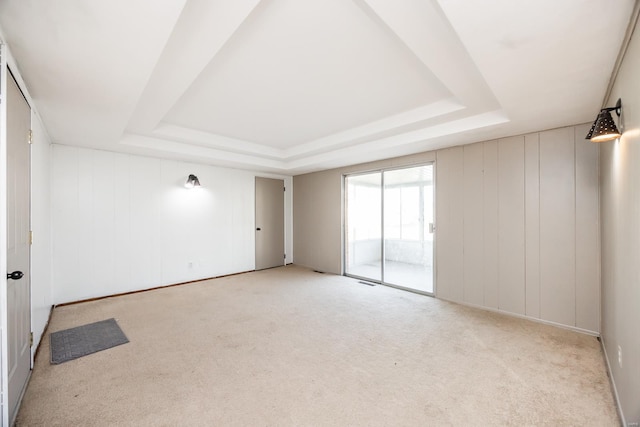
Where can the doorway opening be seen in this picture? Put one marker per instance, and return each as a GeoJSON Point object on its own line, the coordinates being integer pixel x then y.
{"type": "Point", "coordinates": [389, 227]}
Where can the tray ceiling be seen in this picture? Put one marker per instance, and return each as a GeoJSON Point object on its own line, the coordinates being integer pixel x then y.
{"type": "Point", "coordinates": [292, 86]}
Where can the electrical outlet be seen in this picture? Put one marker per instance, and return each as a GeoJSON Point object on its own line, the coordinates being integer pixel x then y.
{"type": "Point", "coordinates": [620, 356]}
{"type": "Point", "coordinates": [190, 264]}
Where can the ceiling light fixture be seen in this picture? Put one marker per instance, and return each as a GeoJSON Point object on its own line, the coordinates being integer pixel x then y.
{"type": "Point", "coordinates": [192, 181]}
{"type": "Point", "coordinates": [604, 128]}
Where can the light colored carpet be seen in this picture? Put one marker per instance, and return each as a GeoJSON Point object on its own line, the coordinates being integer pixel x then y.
{"type": "Point", "coordinates": [290, 347]}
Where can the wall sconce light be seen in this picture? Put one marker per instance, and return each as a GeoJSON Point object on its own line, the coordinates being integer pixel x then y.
{"type": "Point", "coordinates": [604, 128]}
{"type": "Point", "coordinates": [192, 181]}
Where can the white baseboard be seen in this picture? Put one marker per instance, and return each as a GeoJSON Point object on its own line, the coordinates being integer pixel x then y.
{"type": "Point", "coordinates": [613, 383]}
{"type": "Point", "coordinates": [522, 316]}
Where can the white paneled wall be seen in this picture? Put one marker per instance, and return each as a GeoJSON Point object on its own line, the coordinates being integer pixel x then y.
{"type": "Point", "coordinates": [620, 210]}
{"type": "Point", "coordinates": [41, 281]}
{"type": "Point", "coordinates": [473, 227]}
{"type": "Point", "coordinates": [450, 224]}
{"type": "Point", "coordinates": [558, 226]}
{"type": "Point", "coordinates": [490, 219]}
{"type": "Point", "coordinates": [587, 244]}
{"type": "Point", "coordinates": [532, 224]}
{"type": "Point", "coordinates": [517, 226]}
{"type": "Point", "coordinates": [511, 218]}
{"type": "Point", "coordinates": [124, 222]}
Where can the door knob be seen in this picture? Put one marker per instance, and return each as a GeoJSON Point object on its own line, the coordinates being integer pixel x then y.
{"type": "Point", "coordinates": [258, 229]}
{"type": "Point", "coordinates": [16, 275]}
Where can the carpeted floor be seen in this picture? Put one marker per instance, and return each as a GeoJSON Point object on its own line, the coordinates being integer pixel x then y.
{"type": "Point", "coordinates": [290, 347]}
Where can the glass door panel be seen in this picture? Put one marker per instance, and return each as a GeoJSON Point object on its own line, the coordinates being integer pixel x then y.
{"type": "Point", "coordinates": [363, 240]}
{"type": "Point", "coordinates": [408, 228]}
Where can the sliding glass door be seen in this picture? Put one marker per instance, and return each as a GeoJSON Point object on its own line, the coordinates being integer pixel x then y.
{"type": "Point", "coordinates": [389, 227]}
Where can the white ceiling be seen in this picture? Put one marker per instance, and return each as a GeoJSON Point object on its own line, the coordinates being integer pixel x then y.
{"type": "Point", "coordinates": [293, 86]}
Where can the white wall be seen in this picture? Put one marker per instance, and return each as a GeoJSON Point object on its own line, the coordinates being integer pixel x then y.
{"type": "Point", "coordinates": [620, 207]}
{"type": "Point", "coordinates": [41, 280]}
{"type": "Point", "coordinates": [123, 223]}
{"type": "Point", "coordinates": [517, 226]}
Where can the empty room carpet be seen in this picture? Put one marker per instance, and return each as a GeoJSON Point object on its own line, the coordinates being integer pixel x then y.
{"type": "Point", "coordinates": [70, 344]}
{"type": "Point", "coordinates": [290, 347]}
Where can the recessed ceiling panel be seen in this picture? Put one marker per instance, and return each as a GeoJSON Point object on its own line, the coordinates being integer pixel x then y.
{"type": "Point", "coordinates": [298, 70]}
{"type": "Point", "coordinates": [86, 63]}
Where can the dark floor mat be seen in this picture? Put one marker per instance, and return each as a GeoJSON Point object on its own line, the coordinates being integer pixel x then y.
{"type": "Point", "coordinates": [80, 341]}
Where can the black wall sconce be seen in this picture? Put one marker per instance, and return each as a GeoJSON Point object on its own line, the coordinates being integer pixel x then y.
{"type": "Point", "coordinates": [192, 181]}
{"type": "Point", "coordinates": [604, 128]}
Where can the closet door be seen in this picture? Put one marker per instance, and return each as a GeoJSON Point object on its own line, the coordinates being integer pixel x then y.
{"type": "Point", "coordinates": [18, 287]}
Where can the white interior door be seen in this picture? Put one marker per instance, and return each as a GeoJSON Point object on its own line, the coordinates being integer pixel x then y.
{"type": "Point", "coordinates": [18, 319]}
{"type": "Point", "coordinates": [269, 223]}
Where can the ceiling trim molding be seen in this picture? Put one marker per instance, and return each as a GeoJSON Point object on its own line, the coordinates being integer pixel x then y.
{"type": "Point", "coordinates": [341, 156]}
{"type": "Point", "coordinates": [397, 121]}
{"type": "Point", "coordinates": [338, 140]}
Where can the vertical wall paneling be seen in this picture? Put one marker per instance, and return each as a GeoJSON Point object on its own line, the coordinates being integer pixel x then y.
{"type": "Point", "coordinates": [473, 288]}
{"type": "Point", "coordinates": [511, 289]}
{"type": "Point", "coordinates": [449, 227]}
{"type": "Point", "coordinates": [41, 219]}
{"type": "Point", "coordinates": [103, 214]}
{"type": "Point", "coordinates": [86, 223]}
{"type": "Point", "coordinates": [324, 196]}
{"type": "Point", "coordinates": [587, 225]}
{"type": "Point", "coordinates": [532, 225]}
{"type": "Point", "coordinates": [199, 227]}
{"type": "Point", "coordinates": [507, 225]}
{"type": "Point", "coordinates": [490, 208]}
{"type": "Point", "coordinates": [312, 195]}
{"type": "Point", "coordinates": [179, 212]}
{"type": "Point", "coordinates": [241, 211]}
{"type": "Point", "coordinates": [557, 226]}
{"type": "Point", "coordinates": [303, 220]}
{"type": "Point", "coordinates": [124, 223]}
{"type": "Point", "coordinates": [243, 237]}
{"type": "Point", "coordinates": [288, 219]}
{"type": "Point", "coordinates": [146, 265]}
{"type": "Point", "coordinates": [65, 216]}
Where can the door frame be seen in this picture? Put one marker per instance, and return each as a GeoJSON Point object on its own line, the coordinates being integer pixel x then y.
{"type": "Point", "coordinates": [434, 272]}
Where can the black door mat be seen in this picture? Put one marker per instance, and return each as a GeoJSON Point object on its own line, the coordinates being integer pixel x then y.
{"type": "Point", "coordinates": [73, 343]}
